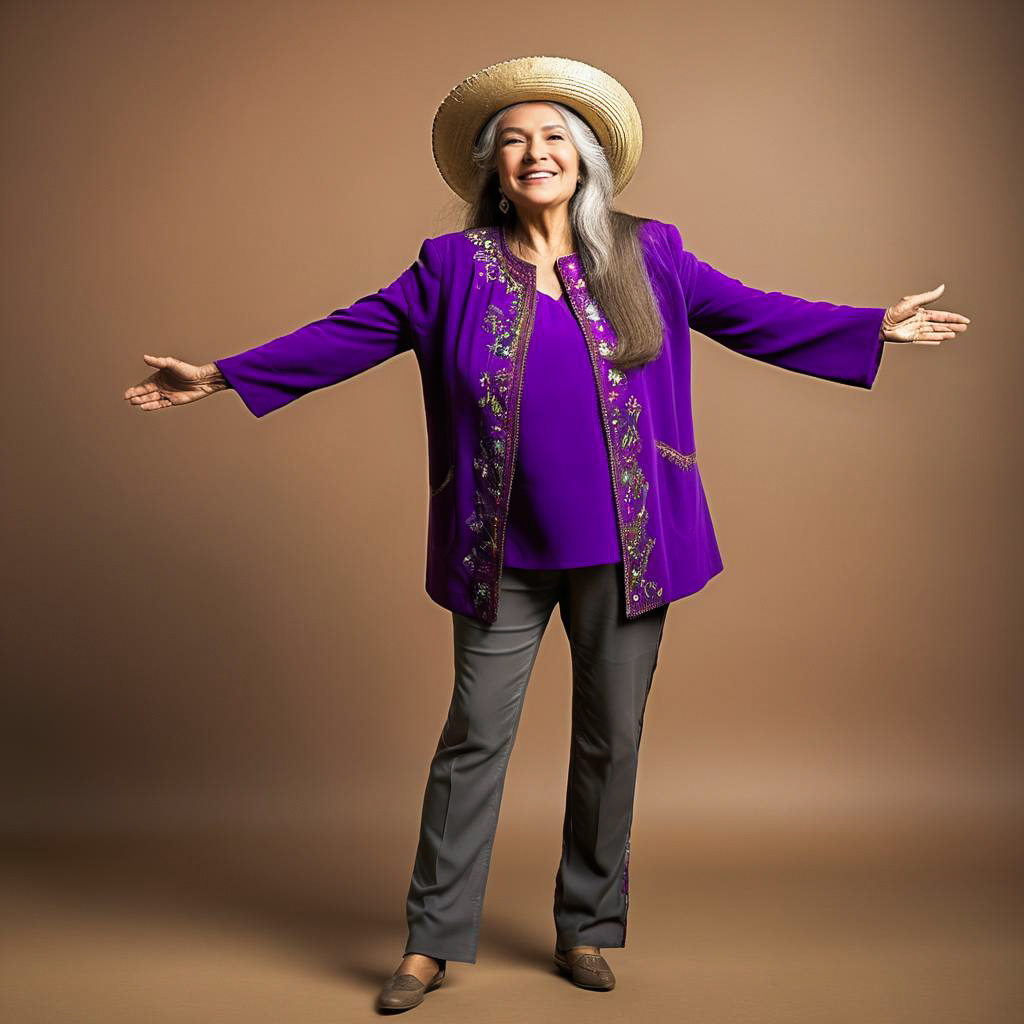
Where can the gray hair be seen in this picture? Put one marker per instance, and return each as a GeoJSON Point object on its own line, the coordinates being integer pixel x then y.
{"type": "Point", "coordinates": [590, 209]}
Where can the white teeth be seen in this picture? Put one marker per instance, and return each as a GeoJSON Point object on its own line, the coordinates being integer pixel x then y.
{"type": "Point", "coordinates": [537, 174]}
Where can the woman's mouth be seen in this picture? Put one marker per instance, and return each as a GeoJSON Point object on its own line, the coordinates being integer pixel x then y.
{"type": "Point", "coordinates": [532, 177]}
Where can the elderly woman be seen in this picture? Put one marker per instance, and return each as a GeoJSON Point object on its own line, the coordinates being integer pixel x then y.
{"type": "Point", "coordinates": [552, 335]}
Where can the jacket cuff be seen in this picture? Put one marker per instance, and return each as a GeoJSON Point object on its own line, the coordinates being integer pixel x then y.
{"type": "Point", "coordinates": [260, 390]}
{"type": "Point", "coordinates": [876, 344]}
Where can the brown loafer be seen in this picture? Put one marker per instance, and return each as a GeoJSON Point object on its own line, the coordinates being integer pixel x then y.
{"type": "Point", "coordinates": [404, 991]}
{"type": "Point", "coordinates": [588, 970]}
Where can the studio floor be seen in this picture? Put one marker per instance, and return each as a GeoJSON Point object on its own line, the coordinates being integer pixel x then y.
{"type": "Point", "coordinates": [303, 924]}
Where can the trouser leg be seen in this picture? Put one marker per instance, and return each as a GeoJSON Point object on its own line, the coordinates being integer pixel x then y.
{"type": "Point", "coordinates": [613, 663]}
{"type": "Point", "coordinates": [493, 663]}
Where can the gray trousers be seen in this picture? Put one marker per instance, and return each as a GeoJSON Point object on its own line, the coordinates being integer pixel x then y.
{"type": "Point", "coordinates": [613, 662]}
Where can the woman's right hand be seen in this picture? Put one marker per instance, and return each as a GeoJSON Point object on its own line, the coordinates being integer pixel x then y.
{"type": "Point", "coordinates": [175, 383]}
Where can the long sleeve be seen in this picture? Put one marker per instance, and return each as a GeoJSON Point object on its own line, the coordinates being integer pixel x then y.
{"type": "Point", "coordinates": [345, 343]}
{"type": "Point", "coordinates": [833, 342]}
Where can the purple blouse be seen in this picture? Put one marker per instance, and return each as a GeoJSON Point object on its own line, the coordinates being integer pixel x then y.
{"type": "Point", "coordinates": [562, 511]}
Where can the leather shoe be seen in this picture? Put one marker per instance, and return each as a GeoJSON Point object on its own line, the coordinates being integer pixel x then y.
{"type": "Point", "coordinates": [404, 991]}
{"type": "Point", "coordinates": [588, 970]}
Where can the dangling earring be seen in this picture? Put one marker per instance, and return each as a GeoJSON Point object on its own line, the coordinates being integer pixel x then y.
{"type": "Point", "coordinates": [503, 203]}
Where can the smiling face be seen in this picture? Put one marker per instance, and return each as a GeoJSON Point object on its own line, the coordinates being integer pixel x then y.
{"type": "Point", "coordinates": [532, 139]}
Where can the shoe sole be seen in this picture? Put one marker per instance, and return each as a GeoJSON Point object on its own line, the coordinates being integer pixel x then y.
{"type": "Point", "coordinates": [566, 968]}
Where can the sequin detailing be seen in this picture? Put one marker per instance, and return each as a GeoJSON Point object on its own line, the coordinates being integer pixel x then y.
{"type": "Point", "coordinates": [686, 461]}
{"type": "Point", "coordinates": [620, 412]}
{"type": "Point", "coordinates": [508, 318]}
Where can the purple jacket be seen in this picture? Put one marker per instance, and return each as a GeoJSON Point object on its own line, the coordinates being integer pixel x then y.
{"type": "Point", "coordinates": [466, 308]}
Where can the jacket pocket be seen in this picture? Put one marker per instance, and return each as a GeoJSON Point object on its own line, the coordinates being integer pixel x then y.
{"type": "Point", "coordinates": [682, 487]}
{"type": "Point", "coordinates": [687, 461]}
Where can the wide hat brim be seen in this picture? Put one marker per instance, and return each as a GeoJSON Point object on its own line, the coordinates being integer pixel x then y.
{"type": "Point", "coordinates": [592, 93]}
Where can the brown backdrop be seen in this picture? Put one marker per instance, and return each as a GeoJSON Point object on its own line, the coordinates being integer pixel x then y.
{"type": "Point", "coordinates": [224, 678]}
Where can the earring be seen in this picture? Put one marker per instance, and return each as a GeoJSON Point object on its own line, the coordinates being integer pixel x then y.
{"type": "Point", "coordinates": [503, 204]}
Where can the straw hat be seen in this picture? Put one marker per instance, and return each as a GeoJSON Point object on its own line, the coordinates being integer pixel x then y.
{"type": "Point", "coordinates": [593, 94]}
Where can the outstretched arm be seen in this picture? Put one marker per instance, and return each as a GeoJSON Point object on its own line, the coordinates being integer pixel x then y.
{"type": "Point", "coordinates": [339, 346]}
{"type": "Point", "coordinates": [822, 339]}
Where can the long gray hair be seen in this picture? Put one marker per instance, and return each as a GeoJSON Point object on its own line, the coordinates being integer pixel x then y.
{"type": "Point", "coordinates": [605, 238]}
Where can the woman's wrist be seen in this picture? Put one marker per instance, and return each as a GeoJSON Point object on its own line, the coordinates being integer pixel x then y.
{"type": "Point", "coordinates": [213, 378]}
{"type": "Point", "coordinates": [888, 323]}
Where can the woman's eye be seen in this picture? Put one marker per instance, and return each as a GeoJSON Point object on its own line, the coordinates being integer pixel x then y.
{"type": "Point", "coordinates": [556, 136]}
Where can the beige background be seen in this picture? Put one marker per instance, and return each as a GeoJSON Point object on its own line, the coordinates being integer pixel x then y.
{"type": "Point", "coordinates": [224, 679]}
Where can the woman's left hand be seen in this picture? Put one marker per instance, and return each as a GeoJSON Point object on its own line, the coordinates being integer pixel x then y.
{"type": "Point", "coordinates": [909, 321]}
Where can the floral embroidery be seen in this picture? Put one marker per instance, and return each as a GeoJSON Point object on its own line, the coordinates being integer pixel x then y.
{"type": "Point", "coordinates": [493, 461]}
{"type": "Point", "coordinates": [684, 461]}
{"type": "Point", "coordinates": [621, 410]}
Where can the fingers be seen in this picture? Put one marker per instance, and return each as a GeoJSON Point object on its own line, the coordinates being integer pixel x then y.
{"type": "Point", "coordinates": [939, 325]}
{"type": "Point", "coordinates": [932, 333]}
{"type": "Point", "coordinates": [152, 403]}
{"type": "Point", "coordinates": [148, 395]}
{"type": "Point", "coordinates": [946, 317]}
{"type": "Point", "coordinates": [930, 323]}
{"type": "Point", "coordinates": [149, 399]}
{"type": "Point", "coordinates": [150, 386]}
